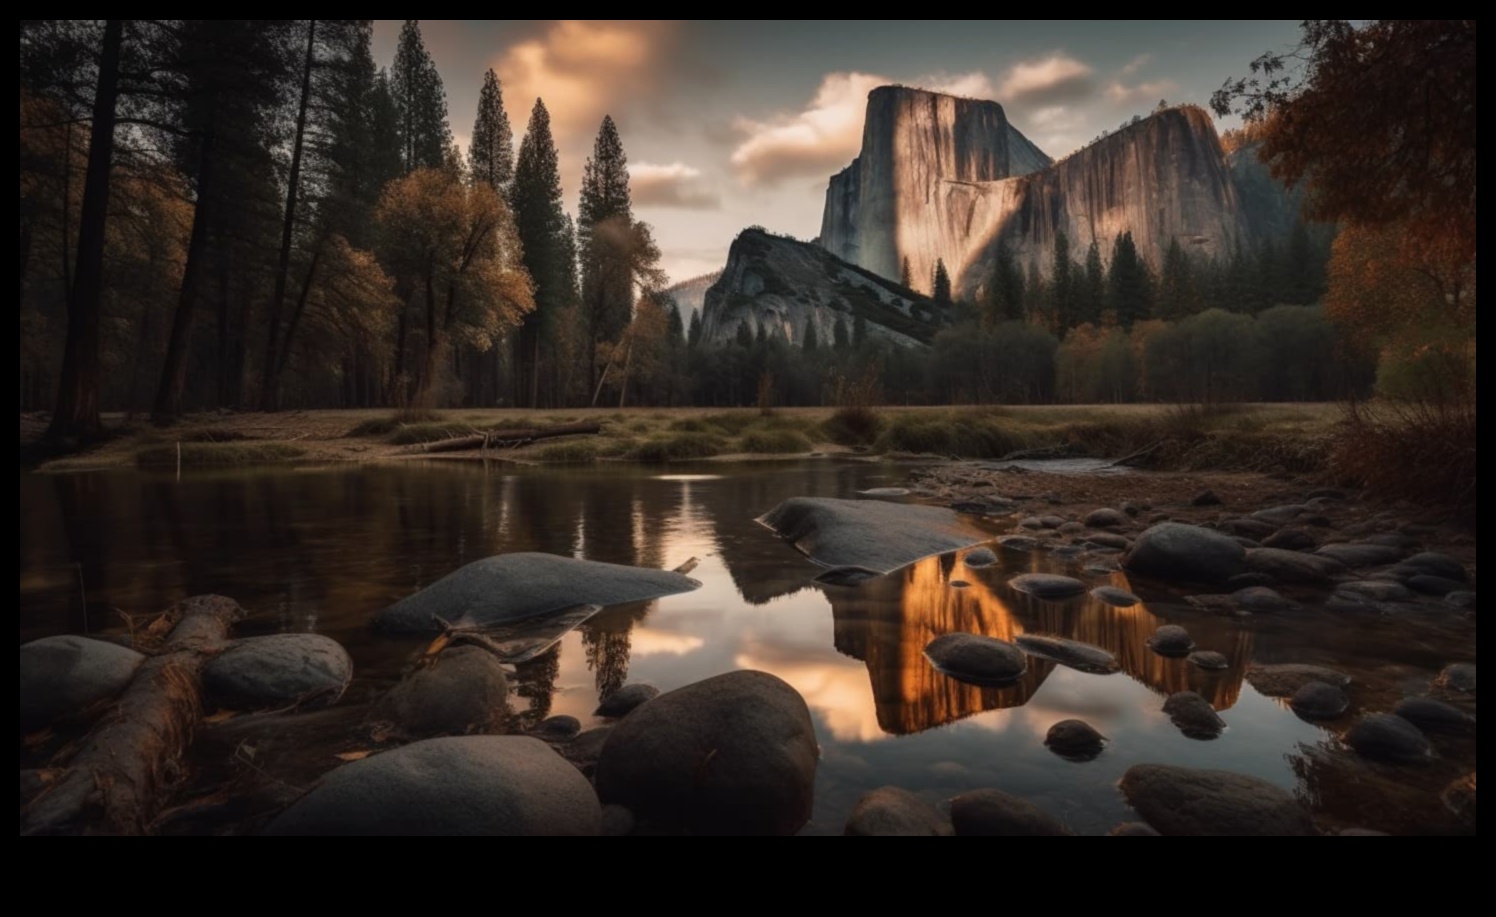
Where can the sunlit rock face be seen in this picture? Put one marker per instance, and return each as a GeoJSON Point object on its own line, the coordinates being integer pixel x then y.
{"type": "Point", "coordinates": [950, 179]}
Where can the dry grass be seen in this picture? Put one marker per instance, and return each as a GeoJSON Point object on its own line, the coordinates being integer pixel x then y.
{"type": "Point", "coordinates": [1418, 449]}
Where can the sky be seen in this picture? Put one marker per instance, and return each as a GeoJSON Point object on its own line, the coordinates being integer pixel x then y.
{"type": "Point", "coordinates": [732, 124]}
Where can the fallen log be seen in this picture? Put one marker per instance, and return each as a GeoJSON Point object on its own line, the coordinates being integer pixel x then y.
{"type": "Point", "coordinates": [504, 439]}
{"type": "Point", "coordinates": [122, 770]}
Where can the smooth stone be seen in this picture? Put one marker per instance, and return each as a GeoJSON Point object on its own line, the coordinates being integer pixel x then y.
{"type": "Point", "coordinates": [1115, 596]}
{"type": "Point", "coordinates": [1248, 580]}
{"type": "Point", "coordinates": [1133, 829]}
{"type": "Point", "coordinates": [846, 576]}
{"type": "Point", "coordinates": [959, 584]}
{"type": "Point", "coordinates": [618, 822]}
{"type": "Point", "coordinates": [975, 659]}
{"type": "Point", "coordinates": [461, 692]}
{"type": "Point", "coordinates": [1083, 657]}
{"type": "Point", "coordinates": [1319, 701]}
{"type": "Point", "coordinates": [1280, 515]}
{"type": "Point", "coordinates": [1386, 737]}
{"type": "Point", "coordinates": [1171, 640]}
{"type": "Point", "coordinates": [1193, 715]}
{"type": "Point", "coordinates": [1437, 586]}
{"type": "Point", "coordinates": [277, 671]}
{"type": "Point", "coordinates": [1290, 539]}
{"type": "Point", "coordinates": [1172, 550]}
{"type": "Point", "coordinates": [1283, 679]}
{"type": "Point", "coordinates": [1360, 555]}
{"type": "Point", "coordinates": [623, 701]}
{"type": "Point", "coordinates": [1293, 566]}
{"type": "Point", "coordinates": [1051, 521]}
{"type": "Point", "coordinates": [1327, 493]}
{"type": "Point", "coordinates": [1074, 740]}
{"type": "Point", "coordinates": [884, 492]}
{"type": "Point", "coordinates": [977, 558]}
{"type": "Point", "coordinates": [1434, 563]}
{"type": "Point", "coordinates": [513, 587]}
{"type": "Point", "coordinates": [558, 728]}
{"type": "Point", "coordinates": [1247, 543]}
{"type": "Point", "coordinates": [1070, 551]}
{"type": "Point", "coordinates": [1131, 509]}
{"type": "Point", "coordinates": [732, 754]}
{"type": "Point", "coordinates": [1106, 518]}
{"type": "Point", "coordinates": [1459, 798]}
{"type": "Point", "coordinates": [890, 811]}
{"type": "Point", "coordinates": [1374, 591]}
{"type": "Point", "coordinates": [1191, 801]}
{"type": "Point", "coordinates": [67, 674]}
{"type": "Point", "coordinates": [584, 750]}
{"type": "Point", "coordinates": [1209, 659]}
{"type": "Point", "coordinates": [1071, 528]}
{"type": "Point", "coordinates": [993, 813]}
{"type": "Point", "coordinates": [1049, 586]}
{"type": "Point", "coordinates": [1031, 522]}
{"type": "Point", "coordinates": [1018, 543]}
{"type": "Point", "coordinates": [464, 785]}
{"type": "Point", "coordinates": [1432, 715]}
{"type": "Point", "coordinates": [1108, 540]}
{"type": "Point", "coordinates": [1392, 540]}
{"type": "Point", "coordinates": [1255, 529]}
{"type": "Point", "coordinates": [1458, 676]}
{"type": "Point", "coordinates": [1460, 598]}
{"type": "Point", "coordinates": [1205, 498]}
{"type": "Point", "coordinates": [1262, 600]}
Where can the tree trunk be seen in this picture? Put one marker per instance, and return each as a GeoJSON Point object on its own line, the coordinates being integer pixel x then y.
{"type": "Point", "coordinates": [77, 412]}
{"type": "Point", "coordinates": [284, 355]}
{"type": "Point", "coordinates": [269, 395]}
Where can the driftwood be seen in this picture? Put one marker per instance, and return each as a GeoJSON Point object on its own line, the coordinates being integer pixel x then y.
{"type": "Point", "coordinates": [1132, 457]}
{"type": "Point", "coordinates": [118, 779]}
{"type": "Point", "coordinates": [504, 439]}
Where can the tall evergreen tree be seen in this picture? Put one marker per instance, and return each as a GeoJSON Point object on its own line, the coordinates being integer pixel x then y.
{"type": "Point", "coordinates": [1005, 291]}
{"type": "Point", "coordinates": [420, 103]}
{"type": "Point", "coordinates": [535, 197]}
{"type": "Point", "coordinates": [1062, 286]}
{"type": "Point", "coordinates": [693, 337]}
{"type": "Point", "coordinates": [1090, 292]}
{"type": "Point", "coordinates": [840, 339]}
{"type": "Point", "coordinates": [940, 284]}
{"type": "Point", "coordinates": [1178, 293]}
{"type": "Point", "coordinates": [809, 343]}
{"type": "Point", "coordinates": [1129, 283]}
{"type": "Point", "coordinates": [1303, 269]}
{"type": "Point", "coordinates": [906, 277]}
{"type": "Point", "coordinates": [491, 150]}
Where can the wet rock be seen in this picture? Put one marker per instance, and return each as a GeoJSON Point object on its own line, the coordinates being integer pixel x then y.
{"type": "Point", "coordinates": [976, 659]}
{"type": "Point", "coordinates": [1209, 659]}
{"type": "Point", "coordinates": [977, 558]}
{"type": "Point", "coordinates": [1075, 550]}
{"type": "Point", "coordinates": [1106, 518]}
{"type": "Point", "coordinates": [1360, 555]}
{"type": "Point", "coordinates": [559, 728]}
{"type": "Point", "coordinates": [884, 492]}
{"type": "Point", "coordinates": [1133, 829]}
{"type": "Point", "coordinates": [466, 785]}
{"type": "Point", "coordinates": [1263, 600]}
{"type": "Point", "coordinates": [1433, 563]}
{"type": "Point", "coordinates": [1115, 596]}
{"type": "Point", "coordinates": [277, 671]}
{"type": "Point", "coordinates": [1386, 737]}
{"type": "Point", "coordinates": [584, 750]}
{"type": "Point", "coordinates": [617, 821]}
{"type": "Point", "coordinates": [1373, 591]}
{"type": "Point", "coordinates": [1193, 715]}
{"type": "Point", "coordinates": [1049, 586]}
{"type": "Point", "coordinates": [1392, 540]}
{"type": "Point", "coordinates": [513, 587]}
{"type": "Point", "coordinates": [1459, 676]}
{"type": "Point", "coordinates": [893, 812]}
{"type": "Point", "coordinates": [1326, 493]}
{"type": "Point", "coordinates": [1156, 518]}
{"type": "Point", "coordinates": [1459, 798]}
{"type": "Point", "coordinates": [1255, 529]}
{"type": "Point", "coordinates": [1083, 657]}
{"type": "Point", "coordinates": [1171, 640]}
{"type": "Point", "coordinates": [1108, 540]}
{"type": "Point", "coordinates": [1462, 599]}
{"type": "Point", "coordinates": [1319, 701]}
{"type": "Point", "coordinates": [1280, 515]}
{"type": "Point", "coordinates": [1018, 543]}
{"type": "Point", "coordinates": [1205, 498]}
{"type": "Point", "coordinates": [959, 584]}
{"type": "Point", "coordinates": [1074, 740]}
{"type": "Point", "coordinates": [1248, 580]}
{"type": "Point", "coordinates": [1197, 802]}
{"type": "Point", "coordinates": [1430, 715]}
{"type": "Point", "coordinates": [1172, 550]}
{"type": "Point", "coordinates": [1071, 528]}
{"type": "Point", "coordinates": [1283, 679]}
{"type": "Point", "coordinates": [846, 576]}
{"type": "Point", "coordinates": [1247, 543]}
{"type": "Point", "coordinates": [1290, 539]}
{"type": "Point", "coordinates": [625, 699]}
{"type": "Point", "coordinates": [67, 674]}
{"type": "Point", "coordinates": [1131, 509]}
{"type": "Point", "coordinates": [993, 813]}
{"type": "Point", "coordinates": [1428, 584]}
{"type": "Point", "coordinates": [732, 754]}
{"type": "Point", "coordinates": [1031, 522]}
{"type": "Point", "coordinates": [461, 692]}
{"type": "Point", "coordinates": [1293, 566]}
{"type": "Point", "coordinates": [1215, 604]}
{"type": "Point", "coordinates": [1051, 521]}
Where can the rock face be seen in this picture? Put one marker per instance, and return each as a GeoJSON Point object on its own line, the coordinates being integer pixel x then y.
{"type": "Point", "coordinates": [893, 812]}
{"type": "Point", "coordinates": [733, 754]}
{"type": "Point", "coordinates": [278, 670]}
{"type": "Point", "coordinates": [1173, 550]}
{"type": "Point", "coordinates": [462, 692]}
{"type": "Point", "coordinates": [781, 284]}
{"type": "Point", "coordinates": [690, 295]}
{"type": "Point", "coordinates": [66, 674]}
{"type": "Point", "coordinates": [1190, 801]}
{"type": "Point", "coordinates": [468, 785]}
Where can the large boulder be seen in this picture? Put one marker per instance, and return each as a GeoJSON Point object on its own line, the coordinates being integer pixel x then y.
{"type": "Point", "coordinates": [733, 754]}
{"type": "Point", "coordinates": [1193, 801]}
{"type": "Point", "coordinates": [1431, 715]}
{"type": "Point", "coordinates": [1175, 551]}
{"type": "Point", "coordinates": [461, 692]}
{"type": "Point", "coordinates": [1388, 737]}
{"type": "Point", "coordinates": [976, 659]}
{"type": "Point", "coordinates": [1083, 657]}
{"type": "Point", "coordinates": [893, 812]}
{"type": "Point", "coordinates": [277, 671]}
{"type": "Point", "coordinates": [868, 534]}
{"type": "Point", "coordinates": [513, 587]}
{"type": "Point", "coordinates": [67, 674]}
{"type": "Point", "coordinates": [459, 785]}
{"type": "Point", "coordinates": [993, 813]}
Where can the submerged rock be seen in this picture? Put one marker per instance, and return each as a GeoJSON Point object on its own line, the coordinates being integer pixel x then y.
{"type": "Point", "coordinates": [1074, 740]}
{"type": "Point", "coordinates": [977, 558]}
{"type": "Point", "coordinates": [1460, 598]}
{"type": "Point", "coordinates": [461, 692]}
{"type": "Point", "coordinates": [513, 587]}
{"type": "Point", "coordinates": [1172, 550]}
{"type": "Point", "coordinates": [1171, 640]}
{"type": "Point", "coordinates": [277, 671]}
{"type": "Point", "coordinates": [993, 813]}
{"type": "Point", "coordinates": [1021, 543]}
{"type": "Point", "coordinates": [1083, 657]}
{"type": "Point", "coordinates": [1459, 797]}
{"type": "Point", "coordinates": [893, 812]}
{"type": "Point", "coordinates": [1115, 596]}
{"type": "Point", "coordinates": [1193, 715]}
{"type": "Point", "coordinates": [1049, 586]}
{"type": "Point", "coordinates": [1373, 591]}
{"type": "Point", "coordinates": [1209, 659]}
{"type": "Point", "coordinates": [1386, 737]}
{"type": "Point", "coordinates": [67, 674]}
{"type": "Point", "coordinates": [1280, 515]}
{"type": "Point", "coordinates": [732, 754]}
{"type": "Point", "coordinates": [1431, 715]}
{"type": "Point", "coordinates": [975, 659]}
{"type": "Point", "coordinates": [468, 785]}
{"type": "Point", "coordinates": [868, 533]}
{"type": "Point", "coordinates": [625, 699]}
{"type": "Point", "coordinates": [1211, 803]}
{"type": "Point", "coordinates": [1316, 700]}
{"type": "Point", "coordinates": [1458, 676]}
{"type": "Point", "coordinates": [1284, 679]}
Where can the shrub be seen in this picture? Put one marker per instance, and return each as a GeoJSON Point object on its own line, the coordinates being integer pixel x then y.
{"type": "Point", "coordinates": [777, 442]}
{"type": "Point", "coordinates": [575, 452]}
{"type": "Point", "coordinates": [1421, 450]}
{"type": "Point", "coordinates": [208, 455]}
{"type": "Point", "coordinates": [660, 449]}
{"type": "Point", "coordinates": [853, 425]}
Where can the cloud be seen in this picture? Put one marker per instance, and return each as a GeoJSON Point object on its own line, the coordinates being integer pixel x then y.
{"type": "Point", "coordinates": [671, 185]}
{"type": "Point", "coordinates": [1136, 64]}
{"type": "Point", "coordinates": [1147, 92]}
{"type": "Point", "coordinates": [1048, 80]}
{"type": "Point", "coordinates": [816, 141]}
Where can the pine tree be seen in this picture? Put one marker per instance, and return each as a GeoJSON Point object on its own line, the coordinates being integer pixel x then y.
{"type": "Point", "coordinates": [1063, 286]}
{"type": "Point", "coordinates": [840, 339]}
{"type": "Point", "coordinates": [491, 151]}
{"type": "Point", "coordinates": [1091, 288]}
{"type": "Point", "coordinates": [1129, 283]}
{"type": "Point", "coordinates": [1005, 292]}
{"type": "Point", "coordinates": [1178, 295]}
{"type": "Point", "coordinates": [941, 283]}
{"type": "Point", "coordinates": [859, 330]}
{"type": "Point", "coordinates": [809, 343]}
{"type": "Point", "coordinates": [1303, 269]}
{"type": "Point", "coordinates": [693, 336]}
{"type": "Point", "coordinates": [420, 103]}
{"type": "Point", "coordinates": [906, 277]}
{"type": "Point", "coordinates": [535, 198]}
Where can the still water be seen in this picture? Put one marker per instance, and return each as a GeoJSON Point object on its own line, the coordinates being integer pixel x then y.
{"type": "Point", "coordinates": [322, 549]}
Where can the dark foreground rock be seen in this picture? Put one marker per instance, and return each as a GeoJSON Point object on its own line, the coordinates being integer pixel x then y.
{"type": "Point", "coordinates": [1193, 715]}
{"type": "Point", "coordinates": [1074, 740]}
{"type": "Point", "coordinates": [1048, 586]}
{"type": "Point", "coordinates": [1284, 679]}
{"type": "Point", "coordinates": [1458, 676]}
{"type": "Point", "coordinates": [993, 813]}
{"type": "Point", "coordinates": [1316, 700]}
{"type": "Point", "coordinates": [733, 754]}
{"type": "Point", "coordinates": [1198, 802]}
{"type": "Point", "coordinates": [513, 587]}
{"type": "Point", "coordinates": [468, 785]}
{"type": "Point", "coordinates": [1173, 550]}
{"type": "Point", "coordinates": [869, 534]}
{"type": "Point", "coordinates": [67, 674]}
{"type": "Point", "coordinates": [893, 812]}
{"type": "Point", "coordinates": [1386, 737]}
{"type": "Point", "coordinates": [1083, 657]}
{"type": "Point", "coordinates": [460, 692]}
{"type": "Point", "coordinates": [623, 701]}
{"type": "Point", "coordinates": [976, 659]}
{"type": "Point", "coordinates": [277, 671]}
{"type": "Point", "coordinates": [1171, 640]}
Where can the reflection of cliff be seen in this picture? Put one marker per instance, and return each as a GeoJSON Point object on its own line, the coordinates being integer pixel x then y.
{"type": "Point", "coordinates": [887, 622]}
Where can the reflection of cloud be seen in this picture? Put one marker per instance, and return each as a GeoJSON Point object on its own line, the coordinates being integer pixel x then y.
{"type": "Point", "coordinates": [647, 641]}
{"type": "Point", "coordinates": [1053, 79]}
{"type": "Point", "coordinates": [836, 689]}
{"type": "Point", "coordinates": [671, 185]}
